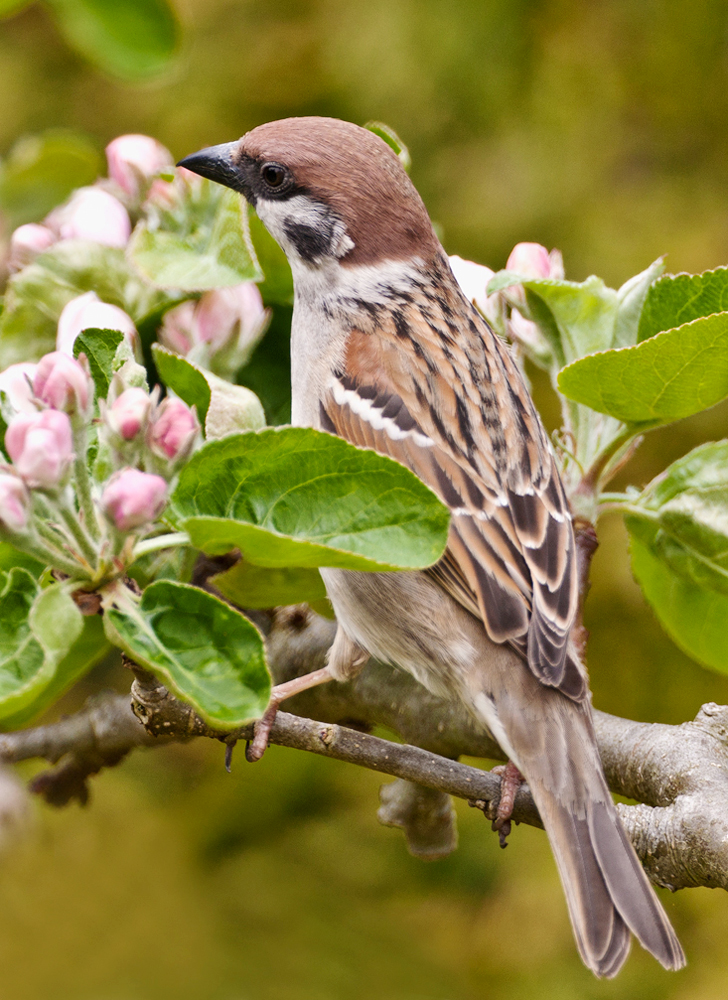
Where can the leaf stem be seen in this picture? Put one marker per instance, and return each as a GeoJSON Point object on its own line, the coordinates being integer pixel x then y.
{"type": "Point", "coordinates": [168, 541]}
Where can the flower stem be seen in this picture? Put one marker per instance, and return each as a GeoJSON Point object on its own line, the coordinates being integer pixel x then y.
{"type": "Point", "coordinates": [79, 535]}
{"type": "Point", "coordinates": [46, 554]}
{"type": "Point", "coordinates": [83, 484]}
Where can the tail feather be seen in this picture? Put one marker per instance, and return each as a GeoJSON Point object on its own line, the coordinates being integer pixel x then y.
{"type": "Point", "coordinates": [630, 889]}
{"type": "Point", "coordinates": [601, 934]}
{"type": "Point", "coordinates": [607, 891]}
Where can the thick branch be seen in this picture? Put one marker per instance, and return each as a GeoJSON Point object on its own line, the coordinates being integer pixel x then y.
{"type": "Point", "coordinates": [679, 773]}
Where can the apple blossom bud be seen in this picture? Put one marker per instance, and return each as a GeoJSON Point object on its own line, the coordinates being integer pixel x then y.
{"type": "Point", "coordinates": [14, 502]}
{"type": "Point", "coordinates": [63, 383]}
{"type": "Point", "coordinates": [27, 242]}
{"type": "Point", "coordinates": [473, 280]}
{"type": "Point", "coordinates": [128, 413]}
{"type": "Point", "coordinates": [225, 321]}
{"type": "Point", "coordinates": [227, 314]}
{"type": "Point", "coordinates": [89, 312]}
{"type": "Point", "coordinates": [17, 384]}
{"type": "Point", "coordinates": [531, 260]}
{"type": "Point", "coordinates": [41, 447]}
{"type": "Point", "coordinates": [178, 326]}
{"type": "Point", "coordinates": [524, 331]}
{"type": "Point", "coordinates": [132, 499]}
{"type": "Point", "coordinates": [92, 214]}
{"type": "Point", "coordinates": [134, 159]}
{"type": "Point", "coordinates": [165, 195]}
{"type": "Point", "coordinates": [173, 429]}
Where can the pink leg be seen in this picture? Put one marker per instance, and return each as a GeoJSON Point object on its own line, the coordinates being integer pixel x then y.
{"type": "Point", "coordinates": [257, 746]}
{"type": "Point", "coordinates": [511, 781]}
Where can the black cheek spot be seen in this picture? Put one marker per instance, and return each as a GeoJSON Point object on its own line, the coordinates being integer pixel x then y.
{"type": "Point", "coordinates": [311, 244]}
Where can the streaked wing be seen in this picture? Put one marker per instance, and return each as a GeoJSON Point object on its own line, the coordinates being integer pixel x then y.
{"type": "Point", "coordinates": [511, 557]}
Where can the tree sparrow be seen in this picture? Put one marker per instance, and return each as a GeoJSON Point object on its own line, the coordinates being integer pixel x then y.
{"type": "Point", "coordinates": [388, 353]}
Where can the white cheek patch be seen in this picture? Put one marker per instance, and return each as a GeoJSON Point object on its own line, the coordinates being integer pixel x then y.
{"type": "Point", "coordinates": [322, 229]}
{"type": "Point", "coordinates": [367, 410]}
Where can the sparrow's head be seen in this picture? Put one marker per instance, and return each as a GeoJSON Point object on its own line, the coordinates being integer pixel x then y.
{"type": "Point", "coordinates": [326, 190]}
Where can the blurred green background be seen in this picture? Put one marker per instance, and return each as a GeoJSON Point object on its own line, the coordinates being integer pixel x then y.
{"type": "Point", "coordinates": [600, 129]}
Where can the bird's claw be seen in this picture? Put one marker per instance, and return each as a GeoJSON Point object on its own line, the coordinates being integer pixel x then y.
{"type": "Point", "coordinates": [511, 781]}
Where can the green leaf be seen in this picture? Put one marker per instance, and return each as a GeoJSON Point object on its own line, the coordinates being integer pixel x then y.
{"type": "Point", "coordinates": [41, 171]}
{"type": "Point", "coordinates": [631, 298]}
{"type": "Point", "coordinates": [577, 318]}
{"type": "Point", "coordinates": [277, 284]}
{"type": "Point", "coordinates": [693, 616]}
{"type": "Point", "coordinates": [184, 378]}
{"type": "Point", "coordinates": [222, 408]}
{"type": "Point", "coordinates": [677, 299]}
{"type": "Point", "coordinates": [210, 655]}
{"type": "Point", "coordinates": [10, 557]}
{"type": "Point", "coordinates": [37, 630]}
{"type": "Point", "coordinates": [584, 313]}
{"type": "Point", "coordinates": [205, 247]}
{"type": "Point", "coordinates": [251, 586]}
{"type": "Point", "coordinates": [688, 503]}
{"type": "Point", "coordinates": [233, 409]}
{"type": "Point", "coordinates": [393, 141]}
{"type": "Point", "coordinates": [99, 346]}
{"type": "Point", "coordinates": [130, 39]}
{"type": "Point", "coordinates": [35, 296]}
{"type": "Point", "coordinates": [670, 376]}
{"type": "Point", "coordinates": [88, 650]}
{"type": "Point", "coordinates": [298, 497]}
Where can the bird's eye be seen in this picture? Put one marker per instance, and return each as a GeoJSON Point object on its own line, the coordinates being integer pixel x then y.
{"type": "Point", "coordinates": [273, 174]}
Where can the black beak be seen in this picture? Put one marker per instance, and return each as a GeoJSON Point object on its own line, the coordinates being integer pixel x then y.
{"type": "Point", "coordinates": [219, 164]}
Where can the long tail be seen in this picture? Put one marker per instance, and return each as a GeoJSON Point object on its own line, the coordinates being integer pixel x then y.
{"type": "Point", "coordinates": [607, 891]}
{"type": "Point", "coordinates": [551, 738]}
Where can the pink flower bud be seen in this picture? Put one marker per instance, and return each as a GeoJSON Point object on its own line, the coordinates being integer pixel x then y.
{"type": "Point", "coordinates": [128, 413]}
{"type": "Point", "coordinates": [173, 429]}
{"type": "Point", "coordinates": [133, 161]}
{"type": "Point", "coordinates": [62, 383]}
{"type": "Point", "coordinates": [17, 384]}
{"type": "Point", "coordinates": [87, 312]}
{"type": "Point", "coordinates": [27, 242]}
{"type": "Point", "coordinates": [132, 499]}
{"type": "Point", "coordinates": [227, 314]}
{"type": "Point", "coordinates": [165, 195]}
{"type": "Point", "coordinates": [14, 502]}
{"type": "Point", "coordinates": [523, 331]}
{"type": "Point", "coordinates": [41, 447]}
{"type": "Point", "coordinates": [532, 261]}
{"type": "Point", "coordinates": [228, 320]}
{"type": "Point", "coordinates": [178, 326]}
{"type": "Point", "coordinates": [92, 214]}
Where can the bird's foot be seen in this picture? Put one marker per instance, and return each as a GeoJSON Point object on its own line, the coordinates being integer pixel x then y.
{"type": "Point", "coordinates": [511, 781]}
{"type": "Point", "coordinates": [256, 747]}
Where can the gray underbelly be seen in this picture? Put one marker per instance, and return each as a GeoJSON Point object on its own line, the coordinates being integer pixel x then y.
{"type": "Point", "coordinates": [407, 620]}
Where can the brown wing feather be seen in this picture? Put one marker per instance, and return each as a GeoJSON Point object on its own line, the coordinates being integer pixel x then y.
{"type": "Point", "coordinates": [510, 556]}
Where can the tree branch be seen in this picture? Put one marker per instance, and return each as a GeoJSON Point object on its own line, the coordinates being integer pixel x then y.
{"type": "Point", "coordinates": [679, 774]}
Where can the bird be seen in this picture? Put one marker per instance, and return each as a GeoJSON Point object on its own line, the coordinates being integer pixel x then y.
{"type": "Point", "coordinates": [388, 353]}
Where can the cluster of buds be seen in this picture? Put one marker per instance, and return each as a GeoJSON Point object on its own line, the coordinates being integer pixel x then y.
{"type": "Point", "coordinates": [138, 430]}
{"type": "Point", "coordinates": [101, 211]}
{"type": "Point", "coordinates": [51, 505]}
{"type": "Point", "coordinates": [218, 330]}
